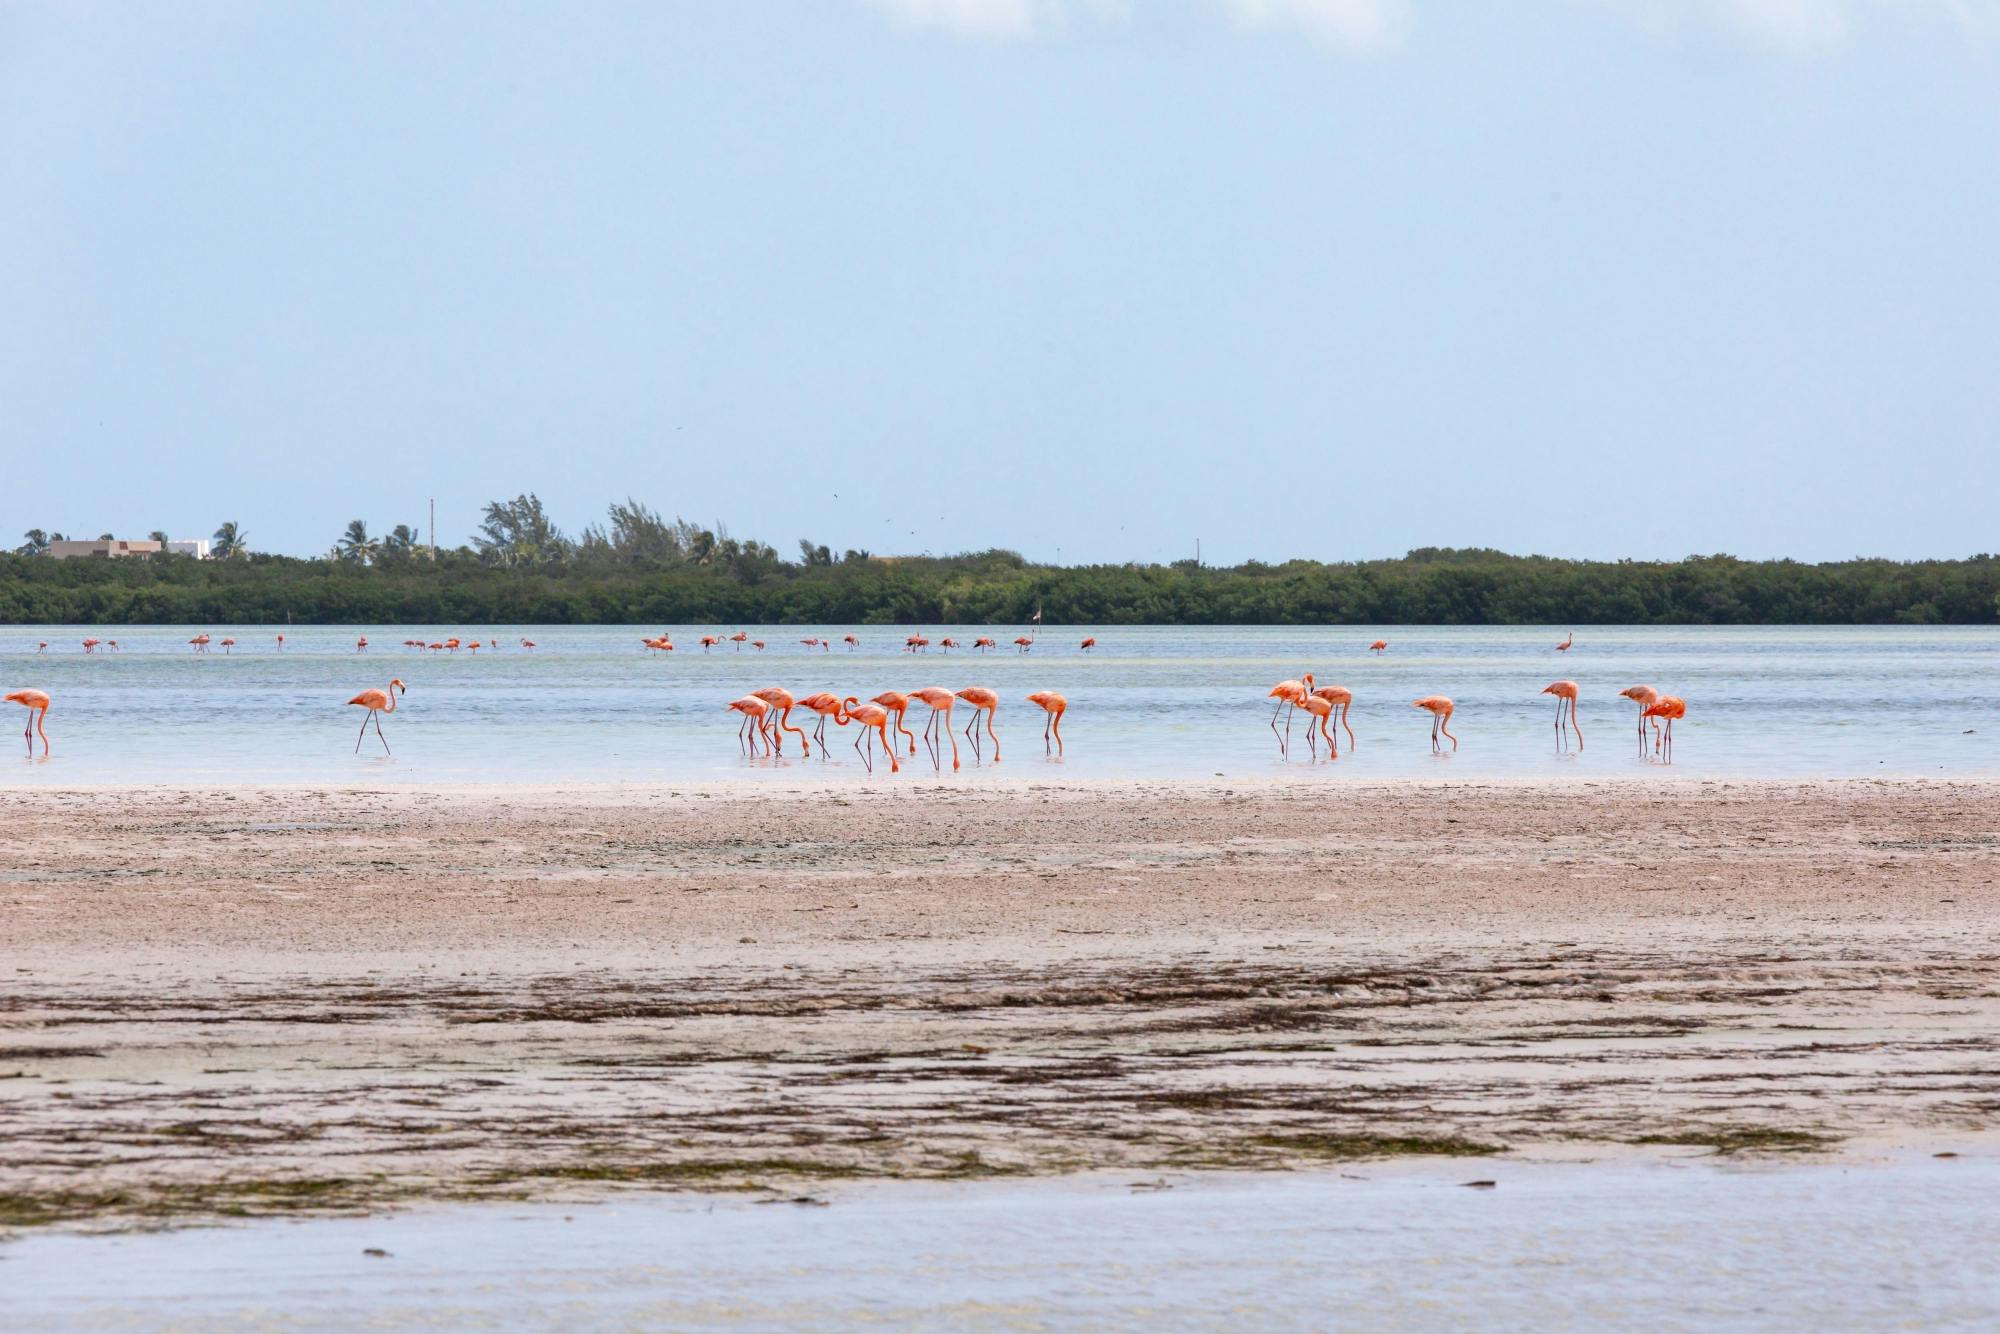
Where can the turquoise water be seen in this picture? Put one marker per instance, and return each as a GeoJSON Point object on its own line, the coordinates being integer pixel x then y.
{"type": "Point", "coordinates": [592, 704]}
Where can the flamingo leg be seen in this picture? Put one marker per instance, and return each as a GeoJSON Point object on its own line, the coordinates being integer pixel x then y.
{"type": "Point", "coordinates": [1274, 726]}
{"type": "Point", "coordinates": [949, 736]}
{"type": "Point", "coordinates": [1332, 743]}
{"type": "Point", "coordinates": [991, 714]}
{"type": "Point", "coordinates": [378, 733]}
{"type": "Point", "coordinates": [363, 733]}
{"type": "Point", "coordinates": [1051, 722]}
{"type": "Point", "coordinates": [889, 746]}
{"type": "Point", "coordinates": [972, 736]}
{"type": "Point", "coordinates": [1312, 744]}
{"type": "Point", "coordinates": [904, 731]}
{"type": "Point", "coordinates": [1349, 726]}
{"type": "Point", "coordinates": [1055, 722]}
{"type": "Point", "coordinates": [866, 758]}
{"type": "Point", "coordinates": [1575, 726]}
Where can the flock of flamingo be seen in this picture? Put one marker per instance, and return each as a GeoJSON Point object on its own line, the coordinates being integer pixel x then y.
{"type": "Point", "coordinates": [767, 712]}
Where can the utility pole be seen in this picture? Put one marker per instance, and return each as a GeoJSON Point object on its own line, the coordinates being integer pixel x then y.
{"type": "Point", "coordinates": [434, 528]}
{"type": "Point", "coordinates": [1197, 553]}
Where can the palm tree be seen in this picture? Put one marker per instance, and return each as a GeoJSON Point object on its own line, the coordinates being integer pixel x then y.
{"type": "Point", "coordinates": [158, 535]}
{"type": "Point", "coordinates": [402, 538]}
{"type": "Point", "coordinates": [37, 543]}
{"type": "Point", "coordinates": [355, 545]}
{"type": "Point", "coordinates": [229, 541]}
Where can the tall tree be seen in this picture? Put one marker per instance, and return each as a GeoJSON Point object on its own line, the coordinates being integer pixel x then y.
{"type": "Point", "coordinates": [158, 535]}
{"type": "Point", "coordinates": [37, 543]}
{"type": "Point", "coordinates": [355, 546]}
{"type": "Point", "coordinates": [520, 532]}
{"type": "Point", "coordinates": [229, 540]}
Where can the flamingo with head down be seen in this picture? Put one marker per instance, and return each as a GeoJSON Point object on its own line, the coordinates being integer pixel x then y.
{"type": "Point", "coordinates": [873, 719]}
{"type": "Point", "coordinates": [1565, 693]}
{"type": "Point", "coordinates": [1054, 706]}
{"type": "Point", "coordinates": [1287, 693]}
{"type": "Point", "coordinates": [752, 726]}
{"type": "Point", "coordinates": [898, 703]}
{"type": "Point", "coordinates": [940, 700]}
{"type": "Point", "coordinates": [1340, 697]}
{"type": "Point", "coordinates": [36, 702]}
{"type": "Point", "coordinates": [984, 701]}
{"type": "Point", "coordinates": [1440, 708]}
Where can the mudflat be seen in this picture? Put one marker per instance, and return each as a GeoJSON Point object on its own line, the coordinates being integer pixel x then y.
{"type": "Point", "coordinates": [247, 1000]}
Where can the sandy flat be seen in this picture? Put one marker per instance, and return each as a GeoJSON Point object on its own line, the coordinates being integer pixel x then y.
{"type": "Point", "coordinates": [253, 999]}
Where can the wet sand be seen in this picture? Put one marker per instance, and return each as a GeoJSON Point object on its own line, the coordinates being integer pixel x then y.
{"type": "Point", "coordinates": [254, 1000]}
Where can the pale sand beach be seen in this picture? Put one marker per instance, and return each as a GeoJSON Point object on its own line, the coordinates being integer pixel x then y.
{"type": "Point", "coordinates": [264, 999]}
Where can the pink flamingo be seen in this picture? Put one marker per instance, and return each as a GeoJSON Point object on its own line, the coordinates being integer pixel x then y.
{"type": "Point", "coordinates": [1088, 644]}
{"type": "Point", "coordinates": [826, 706]}
{"type": "Point", "coordinates": [200, 643]}
{"type": "Point", "coordinates": [1564, 648]}
{"type": "Point", "coordinates": [781, 702]}
{"type": "Point", "coordinates": [983, 643]}
{"type": "Point", "coordinates": [947, 644]}
{"type": "Point", "coordinates": [940, 700]}
{"type": "Point", "coordinates": [709, 641]}
{"type": "Point", "coordinates": [873, 718]}
{"type": "Point", "coordinates": [281, 649]}
{"type": "Point", "coordinates": [1054, 706]}
{"type": "Point", "coordinates": [898, 703]}
{"type": "Point", "coordinates": [42, 646]}
{"type": "Point", "coordinates": [1340, 697]}
{"type": "Point", "coordinates": [752, 727]}
{"type": "Point", "coordinates": [90, 645]}
{"type": "Point", "coordinates": [37, 705]}
{"type": "Point", "coordinates": [527, 643]}
{"type": "Point", "coordinates": [984, 701]}
{"type": "Point", "coordinates": [1440, 707]}
{"type": "Point", "coordinates": [1024, 642]}
{"type": "Point", "coordinates": [1565, 693]}
{"type": "Point", "coordinates": [1287, 693]}
{"type": "Point", "coordinates": [377, 702]}
{"type": "Point", "coordinates": [361, 644]}
{"type": "Point", "coordinates": [1668, 707]}
{"type": "Point", "coordinates": [1321, 709]}
{"type": "Point", "coordinates": [1645, 697]}
{"type": "Point", "coordinates": [1379, 646]}
{"type": "Point", "coordinates": [227, 644]}
{"type": "Point", "coordinates": [851, 642]}
{"type": "Point", "coordinates": [738, 638]}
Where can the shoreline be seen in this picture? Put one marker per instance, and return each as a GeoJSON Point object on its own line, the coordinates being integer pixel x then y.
{"type": "Point", "coordinates": [239, 1001]}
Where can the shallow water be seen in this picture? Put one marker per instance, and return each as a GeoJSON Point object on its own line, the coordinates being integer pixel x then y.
{"type": "Point", "coordinates": [1907, 1243]}
{"type": "Point", "coordinates": [591, 704]}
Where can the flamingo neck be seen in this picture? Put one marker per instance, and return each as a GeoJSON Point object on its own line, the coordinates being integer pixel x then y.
{"type": "Point", "coordinates": [392, 699]}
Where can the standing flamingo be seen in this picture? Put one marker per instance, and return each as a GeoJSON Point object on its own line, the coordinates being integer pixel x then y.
{"type": "Point", "coordinates": [983, 643]}
{"type": "Point", "coordinates": [851, 642]}
{"type": "Point", "coordinates": [361, 644]}
{"type": "Point", "coordinates": [752, 727]}
{"type": "Point", "coordinates": [1024, 642]}
{"type": "Point", "coordinates": [227, 644]}
{"type": "Point", "coordinates": [940, 700]}
{"type": "Point", "coordinates": [875, 717]}
{"type": "Point", "coordinates": [1564, 648]}
{"type": "Point", "coordinates": [738, 638]}
{"type": "Point", "coordinates": [709, 641]}
{"type": "Point", "coordinates": [1054, 706]}
{"type": "Point", "coordinates": [1440, 707]}
{"type": "Point", "coordinates": [112, 644]}
{"type": "Point", "coordinates": [1321, 709]}
{"type": "Point", "coordinates": [947, 644]}
{"type": "Point", "coordinates": [281, 649]}
{"type": "Point", "coordinates": [1668, 707]}
{"type": "Point", "coordinates": [377, 702]}
{"type": "Point", "coordinates": [1565, 693]}
{"type": "Point", "coordinates": [1645, 697]}
{"type": "Point", "coordinates": [984, 701]}
{"type": "Point", "coordinates": [898, 703]}
{"type": "Point", "coordinates": [1287, 693]}
{"type": "Point", "coordinates": [42, 646]}
{"type": "Point", "coordinates": [37, 705]}
{"type": "Point", "coordinates": [90, 645]}
{"type": "Point", "coordinates": [1379, 646]}
{"type": "Point", "coordinates": [826, 706]}
{"type": "Point", "coordinates": [527, 643]}
{"type": "Point", "coordinates": [1340, 697]}
{"type": "Point", "coordinates": [781, 702]}
{"type": "Point", "coordinates": [200, 643]}
{"type": "Point", "coordinates": [1088, 644]}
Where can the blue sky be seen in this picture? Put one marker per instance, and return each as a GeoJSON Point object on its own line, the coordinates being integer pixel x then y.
{"type": "Point", "coordinates": [1330, 278]}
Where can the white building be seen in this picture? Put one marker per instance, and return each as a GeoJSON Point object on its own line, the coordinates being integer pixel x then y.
{"type": "Point", "coordinates": [103, 546]}
{"type": "Point", "coordinates": [189, 546]}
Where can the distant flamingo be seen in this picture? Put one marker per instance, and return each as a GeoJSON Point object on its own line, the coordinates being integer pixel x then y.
{"type": "Point", "coordinates": [90, 645]}
{"type": "Point", "coordinates": [1340, 697]}
{"type": "Point", "coordinates": [1287, 693]}
{"type": "Point", "coordinates": [474, 646]}
{"type": "Point", "coordinates": [947, 643]}
{"type": "Point", "coordinates": [112, 644]}
{"type": "Point", "coordinates": [984, 701]}
{"type": "Point", "coordinates": [850, 641]}
{"type": "Point", "coordinates": [37, 705]}
{"type": "Point", "coordinates": [200, 643]}
{"type": "Point", "coordinates": [898, 703]}
{"type": "Point", "coordinates": [810, 643]}
{"type": "Point", "coordinates": [377, 702]}
{"type": "Point", "coordinates": [1440, 707]}
{"type": "Point", "coordinates": [527, 643]}
{"type": "Point", "coordinates": [451, 645]}
{"type": "Point", "coordinates": [1565, 693]}
{"type": "Point", "coordinates": [940, 700]}
{"type": "Point", "coordinates": [1321, 709]}
{"type": "Point", "coordinates": [281, 649]}
{"type": "Point", "coordinates": [1024, 642]}
{"type": "Point", "coordinates": [227, 644]}
{"type": "Point", "coordinates": [780, 700]}
{"type": "Point", "coordinates": [709, 641]}
{"type": "Point", "coordinates": [1088, 644]}
{"type": "Point", "coordinates": [360, 645]}
{"type": "Point", "coordinates": [1053, 705]}
{"type": "Point", "coordinates": [1645, 697]}
{"type": "Point", "coordinates": [915, 642]}
{"type": "Point", "coordinates": [875, 717]}
{"type": "Point", "coordinates": [738, 638]}
{"type": "Point", "coordinates": [42, 646]}
{"type": "Point", "coordinates": [1379, 646]}
{"type": "Point", "coordinates": [757, 644]}
{"type": "Point", "coordinates": [753, 711]}
{"type": "Point", "coordinates": [983, 643]}
{"type": "Point", "coordinates": [1564, 648]}
{"type": "Point", "coordinates": [1668, 707]}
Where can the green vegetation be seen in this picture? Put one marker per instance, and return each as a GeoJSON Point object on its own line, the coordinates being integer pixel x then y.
{"type": "Point", "coordinates": [1378, 1146]}
{"type": "Point", "coordinates": [1746, 1139]}
{"type": "Point", "coordinates": [638, 568]}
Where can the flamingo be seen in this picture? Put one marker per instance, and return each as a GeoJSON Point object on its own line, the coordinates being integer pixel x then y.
{"type": "Point", "coordinates": [1340, 697]}
{"type": "Point", "coordinates": [810, 643]}
{"type": "Point", "coordinates": [527, 643]}
{"type": "Point", "coordinates": [1321, 709]}
{"type": "Point", "coordinates": [1440, 707]}
{"type": "Point", "coordinates": [200, 643]}
{"type": "Point", "coordinates": [1287, 692]}
{"type": "Point", "coordinates": [377, 702]}
{"type": "Point", "coordinates": [738, 638]}
{"type": "Point", "coordinates": [826, 706]}
{"type": "Point", "coordinates": [227, 644]}
{"type": "Point", "coordinates": [1053, 705]}
{"type": "Point", "coordinates": [112, 644]}
{"type": "Point", "coordinates": [37, 705]}
{"type": "Point", "coordinates": [753, 711]}
{"type": "Point", "coordinates": [709, 641]}
{"type": "Point", "coordinates": [780, 700]}
{"type": "Point", "coordinates": [1379, 646]}
{"type": "Point", "coordinates": [940, 701]}
{"type": "Point", "coordinates": [1088, 644]}
{"type": "Point", "coordinates": [982, 700]}
{"type": "Point", "coordinates": [871, 716]}
{"type": "Point", "coordinates": [851, 642]}
{"type": "Point", "coordinates": [947, 643]}
{"type": "Point", "coordinates": [452, 645]}
{"type": "Point", "coordinates": [983, 643]}
{"type": "Point", "coordinates": [915, 642]}
{"type": "Point", "coordinates": [90, 645]}
{"type": "Point", "coordinates": [1024, 642]}
{"type": "Point", "coordinates": [757, 644]}
{"type": "Point", "coordinates": [1645, 697]}
{"type": "Point", "coordinates": [1668, 707]}
{"type": "Point", "coordinates": [1565, 693]}
{"type": "Point", "coordinates": [1564, 648]}
{"type": "Point", "coordinates": [360, 645]}
{"type": "Point", "coordinates": [898, 703]}
{"type": "Point", "coordinates": [42, 646]}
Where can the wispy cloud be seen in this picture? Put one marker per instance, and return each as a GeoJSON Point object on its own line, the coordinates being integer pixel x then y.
{"type": "Point", "coordinates": [1357, 26]}
{"type": "Point", "coordinates": [1343, 25]}
{"type": "Point", "coordinates": [974, 18]}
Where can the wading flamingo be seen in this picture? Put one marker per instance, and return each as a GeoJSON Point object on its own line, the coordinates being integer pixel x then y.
{"type": "Point", "coordinates": [37, 705]}
{"type": "Point", "coordinates": [850, 641]}
{"type": "Point", "coordinates": [984, 701]}
{"type": "Point", "coordinates": [281, 643]}
{"type": "Point", "coordinates": [1645, 697]}
{"type": "Point", "coordinates": [1564, 648]}
{"type": "Point", "coordinates": [1565, 693]}
{"type": "Point", "coordinates": [709, 641]}
{"type": "Point", "coordinates": [200, 643]}
{"type": "Point", "coordinates": [738, 638]}
{"type": "Point", "coordinates": [826, 706]}
{"type": "Point", "coordinates": [947, 643]}
{"type": "Point", "coordinates": [810, 643]}
{"type": "Point", "coordinates": [781, 702]}
{"type": "Point", "coordinates": [227, 644]}
{"type": "Point", "coordinates": [527, 643]}
{"type": "Point", "coordinates": [377, 702]}
{"type": "Point", "coordinates": [1053, 705]}
{"type": "Point", "coordinates": [898, 703]}
{"type": "Point", "coordinates": [1287, 693]}
{"type": "Point", "coordinates": [983, 643]}
{"type": "Point", "coordinates": [90, 645]}
{"type": "Point", "coordinates": [1340, 697]}
{"type": "Point", "coordinates": [1321, 709]}
{"type": "Point", "coordinates": [1088, 644]}
{"type": "Point", "coordinates": [42, 646]}
{"type": "Point", "coordinates": [1024, 642]}
{"type": "Point", "coordinates": [940, 701]}
{"type": "Point", "coordinates": [361, 644]}
{"type": "Point", "coordinates": [757, 644]}
{"type": "Point", "coordinates": [1379, 646]}
{"type": "Point", "coordinates": [873, 718]}
{"type": "Point", "coordinates": [753, 711]}
{"type": "Point", "coordinates": [1668, 707]}
{"type": "Point", "coordinates": [1440, 707]}
{"type": "Point", "coordinates": [112, 644]}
